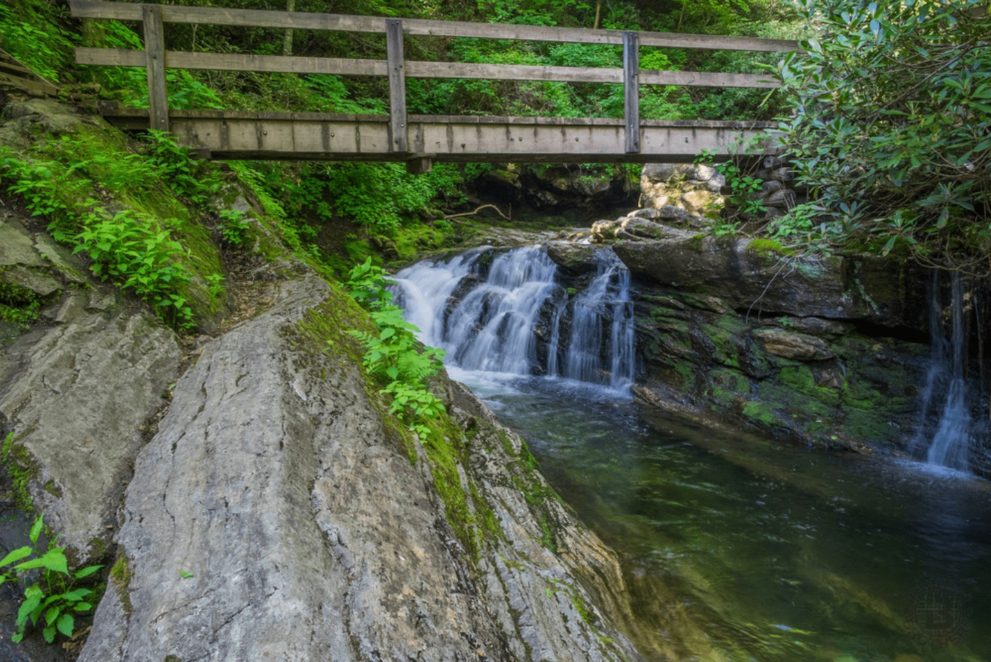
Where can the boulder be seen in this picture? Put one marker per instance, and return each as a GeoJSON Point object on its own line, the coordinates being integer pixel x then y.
{"type": "Point", "coordinates": [577, 258]}
{"type": "Point", "coordinates": [758, 278]}
{"type": "Point", "coordinates": [277, 515]}
{"type": "Point", "coordinates": [501, 183]}
{"type": "Point", "coordinates": [692, 188]}
{"type": "Point", "coordinates": [78, 390]}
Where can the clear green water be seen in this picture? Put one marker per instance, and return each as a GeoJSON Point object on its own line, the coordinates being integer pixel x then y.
{"type": "Point", "coordinates": [739, 548]}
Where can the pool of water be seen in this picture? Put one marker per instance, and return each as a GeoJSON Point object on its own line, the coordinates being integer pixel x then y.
{"type": "Point", "coordinates": [735, 547]}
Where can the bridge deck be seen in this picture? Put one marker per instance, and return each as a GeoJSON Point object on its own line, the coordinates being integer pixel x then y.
{"type": "Point", "coordinates": [446, 138]}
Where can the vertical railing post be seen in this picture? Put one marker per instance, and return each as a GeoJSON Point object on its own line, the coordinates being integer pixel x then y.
{"type": "Point", "coordinates": [631, 90]}
{"type": "Point", "coordinates": [397, 85]}
{"type": "Point", "coordinates": [158, 99]}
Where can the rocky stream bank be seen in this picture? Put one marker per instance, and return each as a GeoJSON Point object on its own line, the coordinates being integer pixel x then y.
{"type": "Point", "coordinates": [827, 351]}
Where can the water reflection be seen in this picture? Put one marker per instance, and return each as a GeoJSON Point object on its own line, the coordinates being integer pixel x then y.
{"type": "Point", "coordinates": [739, 548]}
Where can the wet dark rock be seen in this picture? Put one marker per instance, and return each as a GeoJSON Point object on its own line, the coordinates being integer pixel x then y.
{"type": "Point", "coordinates": [761, 279]}
{"type": "Point", "coordinates": [575, 257]}
{"type": "Point", "coordinates": [558, 188]}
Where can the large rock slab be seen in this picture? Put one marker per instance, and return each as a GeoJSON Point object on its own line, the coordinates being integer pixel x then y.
{"type": "Point", "coordinates": [77, 390]}
{"type": "Point", "coordinates": [751, 276]}
{"type": "Point", "coordinates": [276, 515]}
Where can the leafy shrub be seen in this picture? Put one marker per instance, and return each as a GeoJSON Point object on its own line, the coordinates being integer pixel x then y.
{"type": "Point", "coordinates": [51, 597]}
{"type": "Point", "coordinates": [393, 355]}
{"type": "Point", "coordinates": [126, 248]}
{"type": "Point", "coordinates": [891, 126]}
{"type": "Point", "coordinates": [234, 226]}
{"type": "Point", "coordinates": [130, 248]}
{"type": "Point", "coordinates": [192, 180]}
{"type": "Point", "coordinates": [31, 33]}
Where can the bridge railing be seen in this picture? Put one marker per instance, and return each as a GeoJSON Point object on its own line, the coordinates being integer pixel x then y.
{"type": "Point", "coordinates": [155, 58]}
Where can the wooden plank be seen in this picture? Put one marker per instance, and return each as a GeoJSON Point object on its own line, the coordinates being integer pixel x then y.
{"type": "Point", "coordinates": [631, 91]}
{"type": "Point", "coordinates": [446, 142]}
{"type": "Point", "coordinates": [113, 110]}
{"type": "Point", "coordinates": [707, 79]}
{"type": "Point", "coordinates": [154, 42]}
{"type": "Point", "coordinates": [420, 27]}
{"type": "Point", "coordinates": [414, 69]}
{"type": "Point", "coordinates": [476, 70]}
{"type": "Point", "coordinates": [397, 85]}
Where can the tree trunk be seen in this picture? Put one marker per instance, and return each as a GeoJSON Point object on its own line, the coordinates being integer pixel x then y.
{"type": "Point", "coordinates": [287, 40]}
{"type": "Point", "coordinates": [598, 14]}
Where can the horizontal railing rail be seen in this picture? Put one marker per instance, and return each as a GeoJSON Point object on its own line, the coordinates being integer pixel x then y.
{"type": "Point", "coordinates": [156, 59]}
{"type": "Point", "coordinates": [263, 18]}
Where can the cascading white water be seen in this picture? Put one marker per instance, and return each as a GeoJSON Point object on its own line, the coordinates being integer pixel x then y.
{"type": "Point", "coordinates": [606, 301]}
{"type": "Point", "coordinates": [950, 445]}
{"type": "Point", "coordinates": [520, 320]}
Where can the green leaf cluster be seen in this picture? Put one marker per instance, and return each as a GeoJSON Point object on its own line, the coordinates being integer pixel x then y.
{"type": "Point", "coordinates": [52, 599]}
{"type": "Point", "coordinates": [32, 32]}
{"type": "Point", "coordinates": [127, 210]}
{"type": "Point", "coordinates": [126, 248]}
{"type": "Point", "coordinates": [393, 355]}
{"type": "Point", "coordinates": [891, 128]}
{"type": "Point", "coordinates": [234, 226]}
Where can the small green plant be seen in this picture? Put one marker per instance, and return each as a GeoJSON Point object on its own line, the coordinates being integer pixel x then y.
{"type": "Point", "coordinates": [51, 597]}
{"type": "Point", "coordinates": [195, 181]}
{"type": "Point", "coordinates": [234, 226]}
{"type": "Point", "coordinates": [797, 224]}
{"type": "Point", "coordinates": [744, 189]}
{"type": "Point", "coordinates": [215, 283]}
{"type": "Point", "coordinates": [393, 355]}
{"type": "Point", "coordinates": [127, 249]}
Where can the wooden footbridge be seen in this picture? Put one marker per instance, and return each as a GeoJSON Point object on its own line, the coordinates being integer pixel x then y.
{"type": "Point", "coordinates": [421, 139]}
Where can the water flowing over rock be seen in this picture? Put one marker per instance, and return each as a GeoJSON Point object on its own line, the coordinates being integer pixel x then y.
{"type": "Point", "coordinates": [948, 434]}
{"type": "Point", "coordinates": [514, 314]}
{"type": "Point", "coordinates": [264, 503]}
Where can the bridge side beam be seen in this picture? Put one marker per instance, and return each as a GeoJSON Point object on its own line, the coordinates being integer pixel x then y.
{"type": "Point", "coordinates": [631, 90]}
{"type": "Point", "coordinates": [398, 141]}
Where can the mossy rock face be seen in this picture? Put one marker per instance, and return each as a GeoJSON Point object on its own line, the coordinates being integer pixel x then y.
{"type": "Point", "coordinates": [815, 381]}
{"type": "Point", "coordinates": [77, 391]}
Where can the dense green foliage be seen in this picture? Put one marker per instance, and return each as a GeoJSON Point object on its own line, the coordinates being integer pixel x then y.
{"type": "Point", "coordinates": [393, 355]}
{"type": "Point", "coordinates": [76, 183]}
{"type": "Point", "coordinates": [51, 598]}
{"type": "Point", "coordinates": [892, 129]}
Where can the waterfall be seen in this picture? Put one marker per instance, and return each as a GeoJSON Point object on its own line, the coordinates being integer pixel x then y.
{"type": "Point", "coordinates": [606, 301]}
{"type": "Point", "coordinates": [946, 439]}
{"type": "Point", "coordinates": [950, 446]}
{"type": "Point", "coordinates": [508, 312]}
